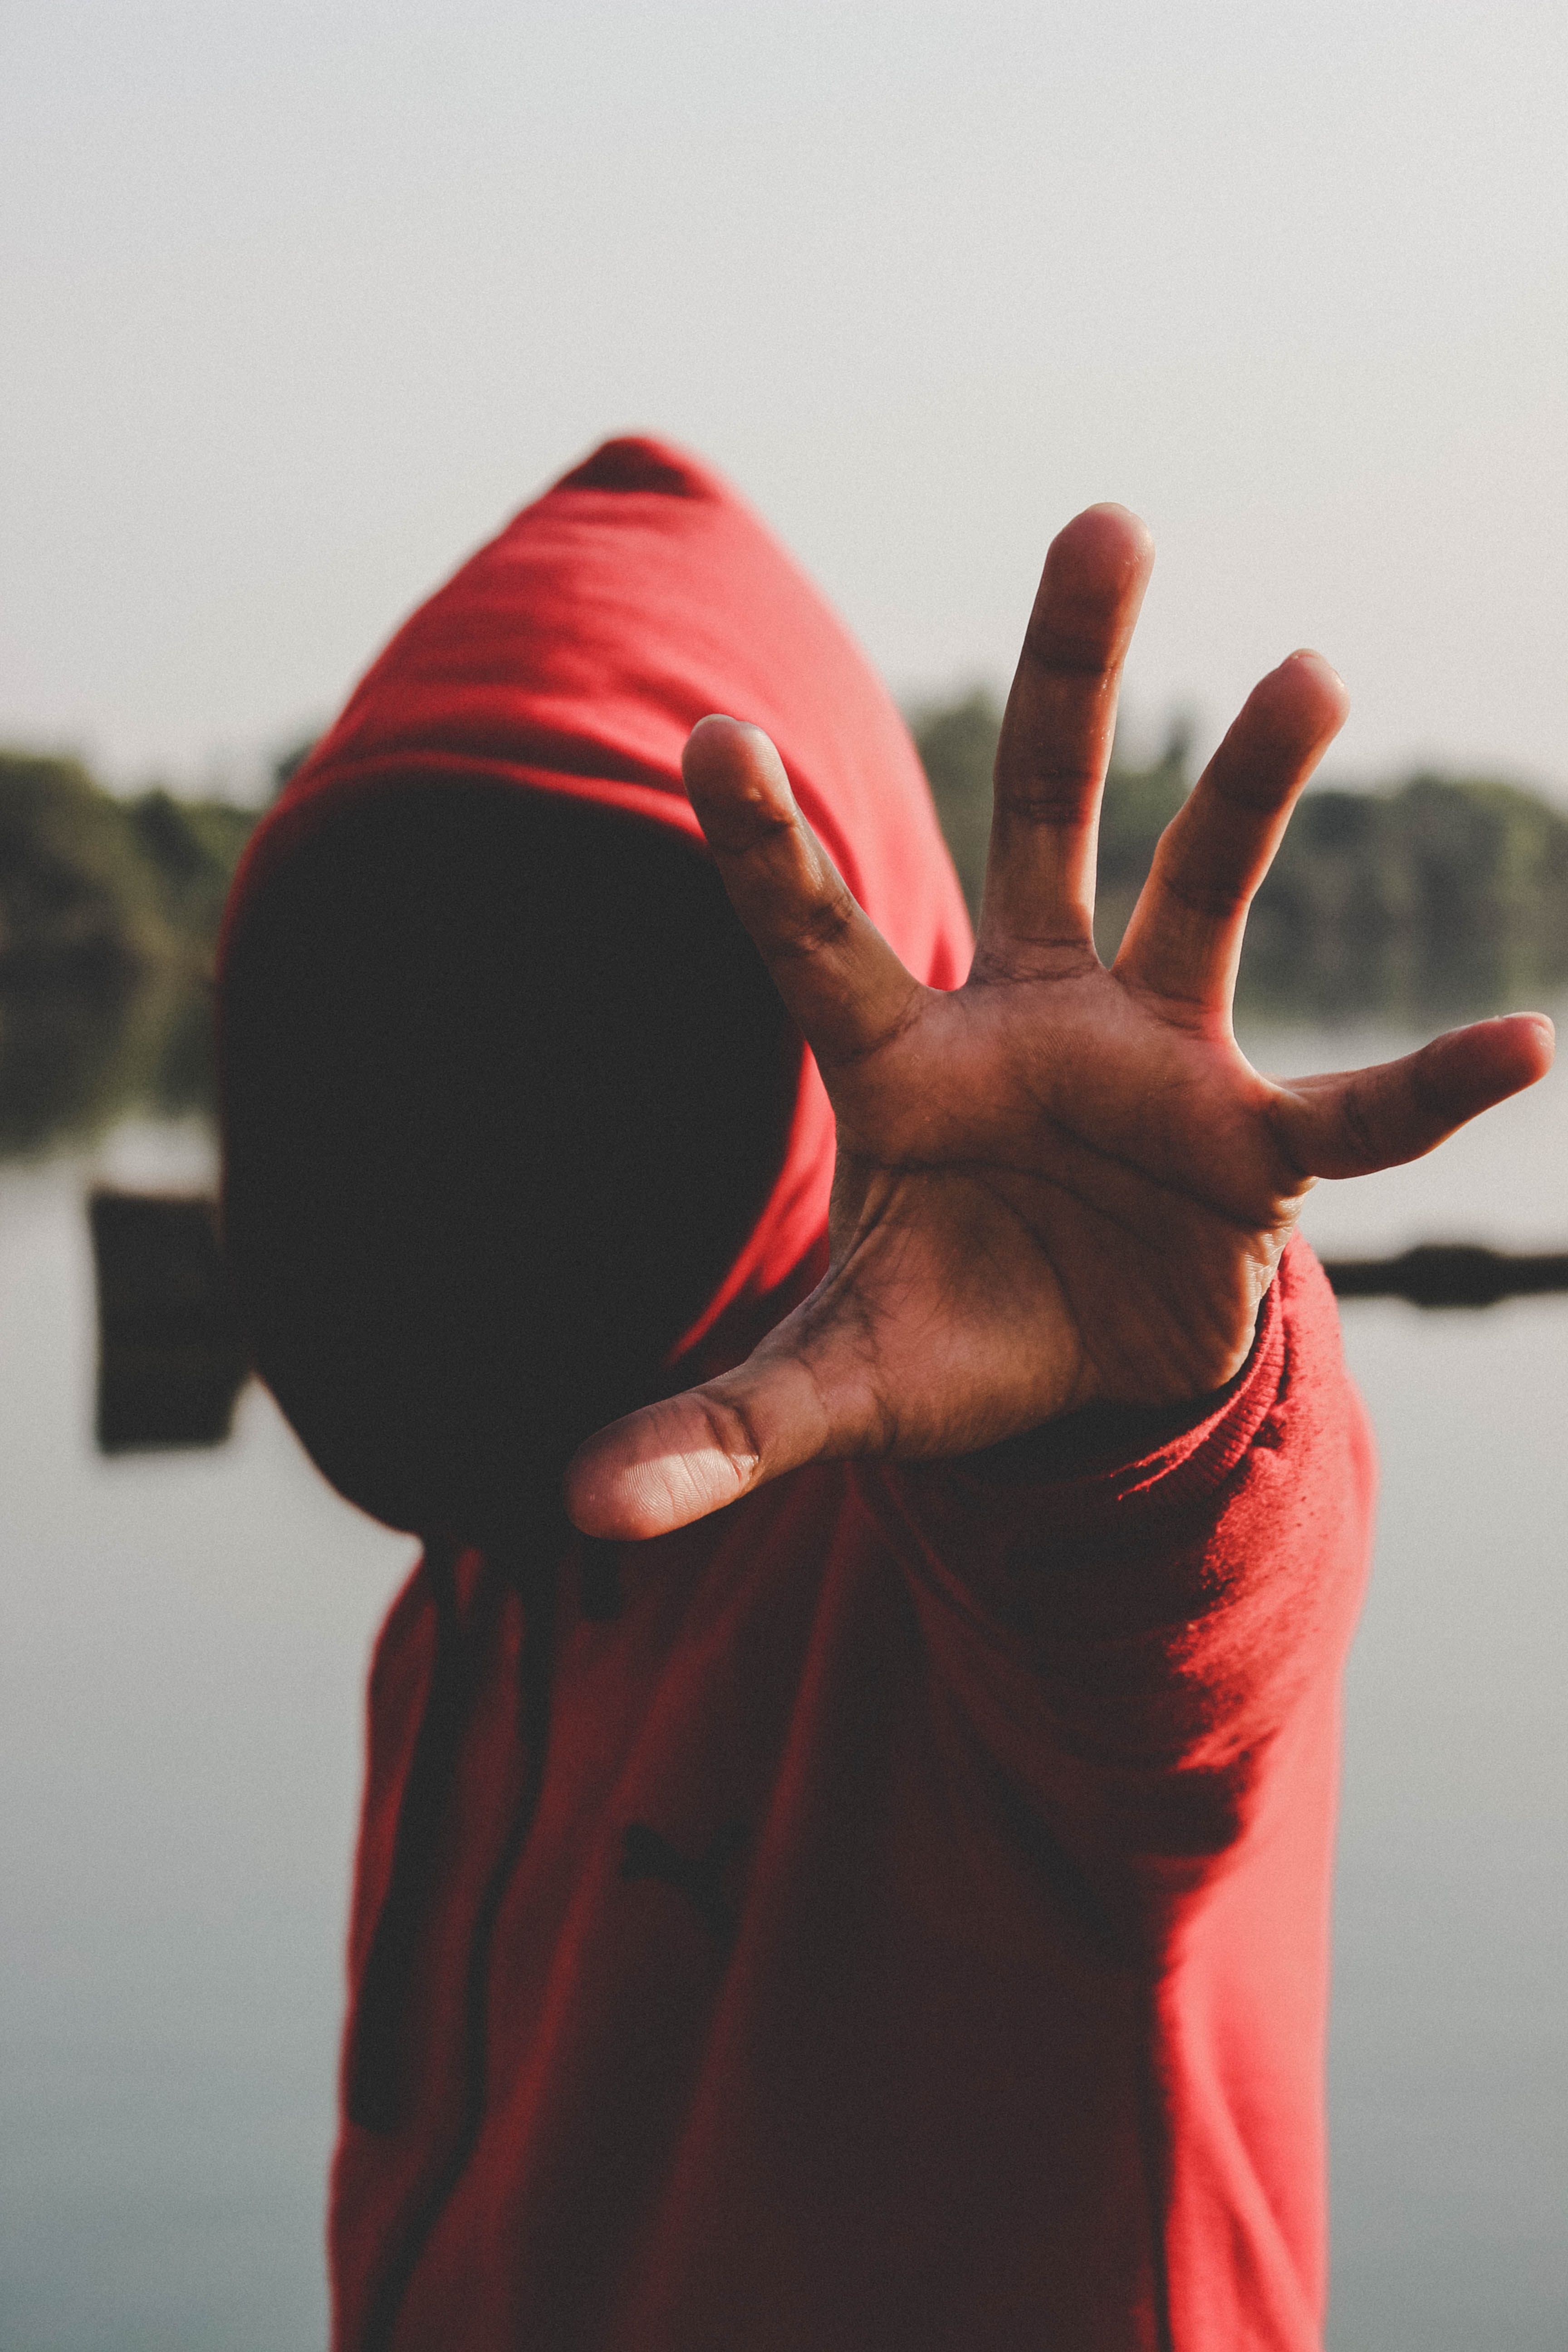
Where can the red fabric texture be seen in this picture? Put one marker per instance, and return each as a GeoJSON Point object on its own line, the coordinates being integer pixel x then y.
{"type": "Point", "coordinates": [907, 1924]}
{"type": "Point", "coordinates": [573, 654]}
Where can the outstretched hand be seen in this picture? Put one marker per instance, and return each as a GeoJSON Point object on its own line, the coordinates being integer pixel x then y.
{"type": "Point", "coordinates": [1059, 1184]}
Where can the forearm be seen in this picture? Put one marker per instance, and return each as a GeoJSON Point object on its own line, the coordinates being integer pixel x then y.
{"type": "Point", "coordinates": [1133, 1632]}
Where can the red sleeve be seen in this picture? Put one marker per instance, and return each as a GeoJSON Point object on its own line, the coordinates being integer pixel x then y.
{"type": "Point", "coordinates": [1134, 1640]}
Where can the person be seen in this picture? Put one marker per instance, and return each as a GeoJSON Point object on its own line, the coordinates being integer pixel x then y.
{"type": "Point", "coordinates": [848, 1817]}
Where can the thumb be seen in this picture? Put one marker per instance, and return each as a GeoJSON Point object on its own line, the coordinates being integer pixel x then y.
{"type": "Point", "coordinates": [689, 1455]}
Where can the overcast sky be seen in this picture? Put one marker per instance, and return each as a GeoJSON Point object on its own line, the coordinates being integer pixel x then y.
{"type": "Point", "coordinates": [302, 301]}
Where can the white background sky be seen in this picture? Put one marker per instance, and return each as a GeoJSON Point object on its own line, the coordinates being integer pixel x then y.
{"type": "Point", "coordinates": [301, 300]}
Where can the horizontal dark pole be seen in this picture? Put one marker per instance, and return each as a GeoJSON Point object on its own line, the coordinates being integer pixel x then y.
{"type": "Point", "coordinates": [172, 1356]}
{"type": "Point", "coordinates": [1450, 1274]}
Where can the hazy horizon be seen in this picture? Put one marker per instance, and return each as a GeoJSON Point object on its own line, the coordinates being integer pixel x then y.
{"type": "Point", "coordinates": [303, 302]}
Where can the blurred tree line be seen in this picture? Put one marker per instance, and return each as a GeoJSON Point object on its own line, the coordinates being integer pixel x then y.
{"type": "Point", "coordinates": [108, 915]}
{"type": "Point", "coordinates": [1444, 897]}
{"type": "Point", "coordinates": [1437, 900]}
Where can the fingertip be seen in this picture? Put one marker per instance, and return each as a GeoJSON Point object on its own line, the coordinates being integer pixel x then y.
{"type": "Point", "coordinates": [1316, 670]}
{"type": "Point", "coordinates": [722, 755]}
{"type": "Point", "coordinates": [651, 1473]}
{"type": "Point", "coordinates": [1488, 1061]}
{"type": "Point", "coordinates": [1091, 590]}
{"type": "Point", "coordinates": [1106, 534]}
{"type": "Point", "coordinates": [1319, 664]}
{"type": "Point", "coordinates": [603, 1502]}
{"type": "Point", "coordinates": [1306, 697]}
{"type": "Point", "coordinates": [1125, 517]}
{"type": "Point", "coordinates": [1530, 1042]}
{"type": "Point", "coordinates": [588, 1502]}
{"type": "Point", "coordinates": [716, 736]}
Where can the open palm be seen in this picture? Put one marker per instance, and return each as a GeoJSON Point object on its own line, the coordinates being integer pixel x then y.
{"type": "Point", "coordinates": [1058, 1184]}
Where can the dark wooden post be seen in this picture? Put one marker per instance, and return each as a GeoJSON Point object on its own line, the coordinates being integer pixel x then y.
{"type": "Point", "coordinates": [172, 1358]}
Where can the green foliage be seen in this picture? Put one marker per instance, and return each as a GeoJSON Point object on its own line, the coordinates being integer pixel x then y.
{"type": "Point", "coordinates": [957, 744]}
{"type": "Point", "coordinates": [108, 914]}
{"type": "Point", "coordinates": [1139, 804]}
{"type": "Point", "coordinates": [1443, 898]}
{"type": "Point", "coordinates": [1440, 900]}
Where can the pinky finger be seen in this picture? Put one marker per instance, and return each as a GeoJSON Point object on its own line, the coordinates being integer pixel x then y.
{"type": "Point", "coordinates": [1355, 1122]}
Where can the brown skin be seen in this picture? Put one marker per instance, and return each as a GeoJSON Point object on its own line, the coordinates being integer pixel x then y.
{"type": "Point", "coordinates": [1057, 1185]}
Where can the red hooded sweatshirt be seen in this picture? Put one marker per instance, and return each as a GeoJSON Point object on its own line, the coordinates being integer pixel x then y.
{"type": "Point", "coordinates": [890, 1915]}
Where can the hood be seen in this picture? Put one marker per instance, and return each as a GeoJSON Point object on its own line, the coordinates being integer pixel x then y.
{"type": "Point", "coordinates": [572, 655]}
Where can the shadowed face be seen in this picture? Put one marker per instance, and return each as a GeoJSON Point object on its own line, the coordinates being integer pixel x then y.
{"type": "Point", "coordinates": [505, 1086]}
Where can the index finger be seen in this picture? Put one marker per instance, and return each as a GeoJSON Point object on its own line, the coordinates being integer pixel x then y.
{"type": "Point", "coordinates": [1057, 733]}
{"type": "Point", "coordinates": [842, 981]}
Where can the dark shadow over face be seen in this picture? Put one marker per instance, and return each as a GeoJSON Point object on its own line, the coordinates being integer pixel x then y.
{"type": "Point", "coordinates": [505, 1086]}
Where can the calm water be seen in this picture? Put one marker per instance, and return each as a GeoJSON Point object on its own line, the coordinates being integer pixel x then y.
{"type": "Point", "coordinates": [184, 1640]}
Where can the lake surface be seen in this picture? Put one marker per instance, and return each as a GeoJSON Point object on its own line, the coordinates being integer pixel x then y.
{"type": "Point", "coordinates": [185, 1644]}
